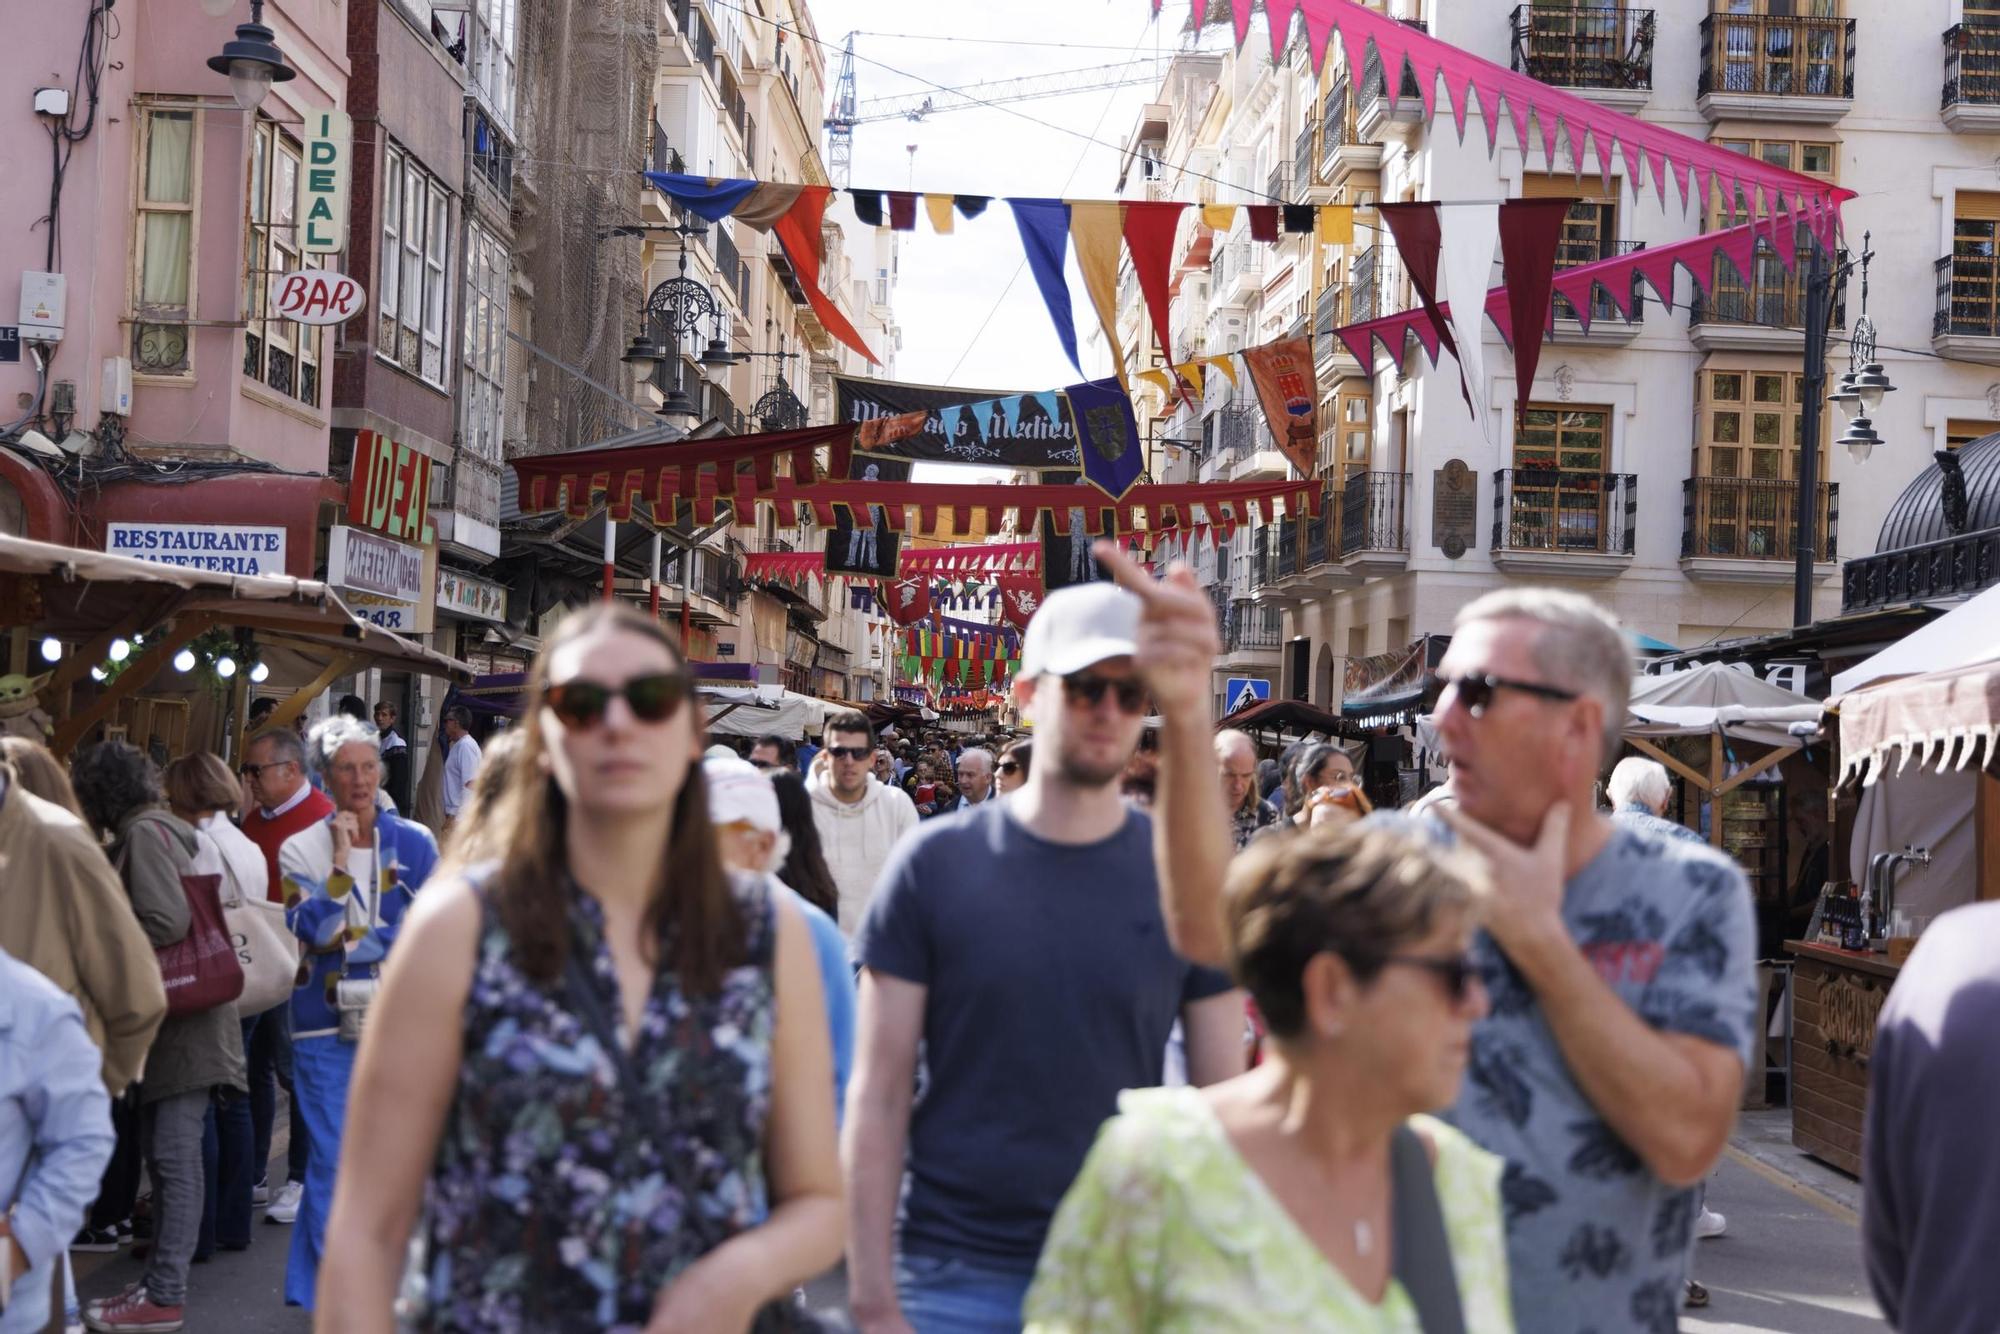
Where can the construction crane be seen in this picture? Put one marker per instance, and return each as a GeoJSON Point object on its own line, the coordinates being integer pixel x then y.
{"type": "Point", "coordinates": [848, 111]}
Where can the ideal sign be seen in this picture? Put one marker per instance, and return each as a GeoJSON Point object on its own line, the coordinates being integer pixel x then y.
{"type": "Point", "coordinates": [317, 296]}
{"type": "Point", "coordinates": [366, 563]}
{"type": "Point", "coordinates": [391, 489]}
{"type": "Point", "coordinates": [329, 148]}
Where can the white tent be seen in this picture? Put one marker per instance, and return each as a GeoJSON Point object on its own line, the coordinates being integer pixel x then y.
{"type": "Point", "coordinates": [1963, 636]}
{"type": "Point", "coordinates": [763, 710]}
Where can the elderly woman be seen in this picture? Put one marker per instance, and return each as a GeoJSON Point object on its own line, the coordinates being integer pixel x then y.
{"type": "Point", "coordinates": [348, 881]}
{"type": "Point", "coordinates": [1266, 1202]}
{"type": "Point", "coordinates": [194, 1058]}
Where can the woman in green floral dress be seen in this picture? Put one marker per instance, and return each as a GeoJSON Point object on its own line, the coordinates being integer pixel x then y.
{"type": "Point", "coordinates": [1265, 1203]}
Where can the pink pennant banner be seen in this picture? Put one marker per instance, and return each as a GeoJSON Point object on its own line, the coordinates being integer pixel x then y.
{"type": "Point", "coordinates": [1771, 192]}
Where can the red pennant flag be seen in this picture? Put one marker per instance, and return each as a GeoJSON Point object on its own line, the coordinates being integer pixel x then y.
{"type": "Point", "coordinates": [1263, 222]}
{"type": "Point", "coordinates": [1530, 232]}
{"type": "Point", "coordinates": [1149, 239]}
{"type": "Point", "coordinates": [907, 601]}
{"type": "Point", "coordinates": [1018, 600]}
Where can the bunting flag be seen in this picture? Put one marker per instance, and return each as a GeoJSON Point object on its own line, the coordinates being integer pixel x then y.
{"type": "Point", "coordinates": [1419, 239]}
{"type": "Point", "coordinates": [1044, 227]}
{"type": "Point", "coordinates": [1019, 599]}
{"type": "Point", "coordinates": [907, 601]}
{"type": "Point", "coordinates": [785, 567]}
{"type": "Point", "coordinates": [1283, 375]}
{"type": "Point", "coordinates": [1773, 192]}
{"type": "Point", "coordinates": [1336, 224]}
{"type": "Point", "coordinates": [939, 208]}
{"type": "Point", "coordinates": [1218, 217]}
{"type": "Point", "coordinates": [902, 210]}
{"type": "Point", "coordinates": [1263, 222]}
{"type": "Point", "coordinates": [1530, 238]}
{"type": "Point", "coordinates": [1107, 436]}
{"type": "Point", "coordinates": [867, 206]}
{"type": "Point", "coordinates": [1095, 229]}
{"type": "Point", "coordinates": [1472, 233]}
{"type": "Point", "coordinates": [659, 471]}
{"type": "Point", "coordinates": [1149, 239]}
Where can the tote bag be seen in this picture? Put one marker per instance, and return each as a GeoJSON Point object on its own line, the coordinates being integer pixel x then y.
{"type": "Point", "coordinates": [200, 970]}
{"type": "Point", "coordinates": [266, 949]}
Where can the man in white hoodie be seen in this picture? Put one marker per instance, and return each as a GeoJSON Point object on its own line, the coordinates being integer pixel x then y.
{"type": "Point", "coordinates": [859, 818]}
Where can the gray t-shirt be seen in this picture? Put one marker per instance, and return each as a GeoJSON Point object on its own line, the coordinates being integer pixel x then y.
{"type": "Point", "coordinates": [1051, 987]}
{"type": "Point", "coordinates": [1595, 1242]}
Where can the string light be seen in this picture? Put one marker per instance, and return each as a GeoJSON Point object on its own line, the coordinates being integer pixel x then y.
{"type": "Point", "coordinates": [52, 649]}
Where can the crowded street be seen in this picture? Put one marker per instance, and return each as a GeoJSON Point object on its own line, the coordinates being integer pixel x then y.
{"type": "Point", "coordinates": [767, 666]}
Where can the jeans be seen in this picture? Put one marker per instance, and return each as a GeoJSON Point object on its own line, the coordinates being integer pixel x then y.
{"type": "Point", "coordinates": [950, 1295]}
{"type": "Point", "coordinates": [321, 1068]}
{"type": "Point", "coordinates": [267, 1047]}
{"type": "Point", "coordinates": [173, 1158]}
{"type": "Point", "coordinates": [229, 1173]}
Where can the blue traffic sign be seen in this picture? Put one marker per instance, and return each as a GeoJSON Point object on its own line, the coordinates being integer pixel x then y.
{"type": "Point", "coordinates": [1244, 690]}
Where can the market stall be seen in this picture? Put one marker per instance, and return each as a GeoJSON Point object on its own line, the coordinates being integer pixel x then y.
{"type": "Point", "coordinates": [151, 651]}
{"type": "Point", "coordinates": [755, 711]}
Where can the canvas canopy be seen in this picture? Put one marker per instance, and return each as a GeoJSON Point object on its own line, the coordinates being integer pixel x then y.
{"type": "Point", "coordinates": [1716, 698]}
{"type": "Point", "coordinates": [1965, 635]}
{"type": "Point", "coordinates": [763, 710]}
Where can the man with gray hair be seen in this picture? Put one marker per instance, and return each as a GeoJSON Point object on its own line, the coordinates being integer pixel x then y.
{"type": "Point", "coordinates": [1639, 790]}
{"type": "Point", "coordinates": [1236, 753]}
{"type": "Point", "coordinates": [1620, 964]}
{"type": "Point", "coordinates": [975, 779]}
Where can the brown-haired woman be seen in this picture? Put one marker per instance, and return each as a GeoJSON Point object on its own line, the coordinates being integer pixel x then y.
{"type": "Point", "coordinates": [1267, 1201]}
{"type": "Point", "coordinates": [603, 1060]}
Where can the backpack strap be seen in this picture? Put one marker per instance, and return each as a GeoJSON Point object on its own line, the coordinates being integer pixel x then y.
{"type": "Point", "coordinates": [1421, 1251]}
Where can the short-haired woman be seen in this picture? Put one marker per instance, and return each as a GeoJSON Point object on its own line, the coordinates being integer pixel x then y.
{"type": "Point", "coordinates": [602, 1061]}
{"type": "Point", "coordinates": [1012, 771]}
{"type": "Point", "coordinates": [348, 882]}
{"type": "Point", "coordinates": [1265, 1202]}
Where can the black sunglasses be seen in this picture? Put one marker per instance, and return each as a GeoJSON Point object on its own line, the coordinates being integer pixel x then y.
{"type": "Point", "coordinates": [1477, 691]}
{"type": "Point", "coordinates": [851, 752]}
{"type": "Point", "coordinates": [1083, 688]}
{"type": "Point", "coordinates": [1456, 973]}
{"type": "Point", "coordinates": [251, 771]}
{"type": "Point", "coordinates": [653, 699]}
{"type": "Point", "coordinates": [1009, 767]}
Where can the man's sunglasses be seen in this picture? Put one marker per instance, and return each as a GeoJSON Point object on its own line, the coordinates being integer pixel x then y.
{"type": "Point", "coordinates": [851, 752]}
{"type": "Point", "coordinates": [1083, 688]}
{"type": "Point", "coordinates": [1476, 692]}
{"type": "Point", "coordinates": [1456, 974]}
{"type": "Point", "coordinates": [653, 699]}
{"type": "Point", "coordinates": [253, 771]}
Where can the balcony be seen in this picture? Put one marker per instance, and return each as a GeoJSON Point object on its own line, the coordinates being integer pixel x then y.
{"type": "Point", "coordinates": [1374, 522]}
{"type": "Point", "coordinates": [1243, 448]}
{"type": "Point", "coordinates": [1278, 186]}
{"type": "Point", "coordinates": [1274, 565]}
{"type": "Point", "coordinates": [1236, 274]}
{"type": "Point", "coordinates": [1608, 326]}
{"type": "Point", "coordinates": [1972, 77]}
{"type": "Point", "coordinates": [733, 268]}
{"type": "Point", "coordinates": [1374, 118]}
{"type": "Point", "coordinates": [1251, 634]}
{"type": "Point", "coordinates": [1604, 52]}
{"type": "Point", "coordinates": [1776, 67]}
{"type": "Point", "coordinates": [1966, 326]}
{"type": "Point", "coordinates": [1744, 530]}
{"type": "Point", "coordinates": [1953, 567]}
{"type": "Point", "coordinates": [1551, 523]}
{"type": "Point", "coordinates": [1305, 159]}
{"type": "Point", "coordinates": [1767, 313]}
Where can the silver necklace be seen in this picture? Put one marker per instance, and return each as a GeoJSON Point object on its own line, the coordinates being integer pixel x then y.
{"type": "Point", "coordinates": [1364, 1237]}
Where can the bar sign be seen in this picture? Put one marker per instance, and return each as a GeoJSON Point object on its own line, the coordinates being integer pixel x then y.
{"type": "Point", "coordinates": [322, 211]}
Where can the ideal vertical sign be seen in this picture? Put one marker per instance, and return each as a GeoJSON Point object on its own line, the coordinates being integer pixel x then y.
{"type": "Point", "coordinates": [391, 489]}
{"type": "Point", "coordinates": [329, 151]}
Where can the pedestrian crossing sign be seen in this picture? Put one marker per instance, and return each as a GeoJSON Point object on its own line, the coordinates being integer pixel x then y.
{"type": "Point", "coordinates": [1243, 691]}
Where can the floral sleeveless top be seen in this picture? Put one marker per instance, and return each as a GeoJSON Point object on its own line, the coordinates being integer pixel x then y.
{"type": "Point", "coordinates": [557, 1202]}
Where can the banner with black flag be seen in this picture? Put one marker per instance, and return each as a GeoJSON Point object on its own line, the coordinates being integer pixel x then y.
{"type": "Point", "coordinates": [996, 430]}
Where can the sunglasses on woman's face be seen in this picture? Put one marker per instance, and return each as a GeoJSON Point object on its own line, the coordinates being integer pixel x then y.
{"type": "Point", "coordinates": [1009, 767]}
{"type": "Point", "coordinates": [653, 699]}
{"type": "Point", "coordinates": [1456, 973]}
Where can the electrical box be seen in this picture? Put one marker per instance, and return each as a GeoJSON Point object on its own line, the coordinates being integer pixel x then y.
{"type": "Point", "coordinates": [42, 297]}
{"type": "Point", "coordinates": [52, 102]}
{"type": "Point", "coordinates": [116, 399]}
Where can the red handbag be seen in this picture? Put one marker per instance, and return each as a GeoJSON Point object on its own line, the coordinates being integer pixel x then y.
{"type": "Point", "coordinates": [200, 970]}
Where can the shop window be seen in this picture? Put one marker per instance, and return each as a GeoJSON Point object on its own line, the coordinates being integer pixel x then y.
{"type": "Point", "coordinates": [416, 231]}
{"type": "Point", "coordinates": [163, 258]}
{"type": "Point", "coordinates": [279, 353]}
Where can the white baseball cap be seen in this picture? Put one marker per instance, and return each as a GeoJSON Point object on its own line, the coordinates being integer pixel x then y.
{"type": "Point", "coordinates": [738, 791]}
{"type": "Point", "coordinates": [1078, 627]}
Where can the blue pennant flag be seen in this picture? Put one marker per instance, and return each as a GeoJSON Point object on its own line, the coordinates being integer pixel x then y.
{"type": "Point", "coordinates": [1044, 225]}
{"type": "Point", "coordinates": [1107, 435]}
{"type": "Point", "coordinates": [1011, 408]}
{"type": "Point", "coordinates": [948, 421]}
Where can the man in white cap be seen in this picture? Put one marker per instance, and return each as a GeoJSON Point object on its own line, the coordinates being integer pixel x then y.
{"type": "Point", "coordinates": [1021, 943]}
{"type": "Point", "coordinates": [751, 836]}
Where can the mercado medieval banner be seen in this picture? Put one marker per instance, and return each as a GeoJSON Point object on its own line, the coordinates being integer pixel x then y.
{"type": "Point", "coordinates": [997, 429]}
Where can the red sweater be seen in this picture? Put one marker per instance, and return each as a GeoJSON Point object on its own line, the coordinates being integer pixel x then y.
{"type": "Point", "coordinates": [270, 834]}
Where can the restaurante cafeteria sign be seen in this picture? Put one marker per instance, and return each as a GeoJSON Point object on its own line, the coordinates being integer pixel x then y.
{"type": "Point", "coordinates": [370, 564]}
{"type": "Point", "coordinates": [391, 489]}
{"type": "Point", "coordinates": [217, 548]}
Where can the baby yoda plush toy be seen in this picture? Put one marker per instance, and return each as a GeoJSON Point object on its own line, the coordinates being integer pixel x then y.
{"type": "Point", "coordinates": [20, 712]}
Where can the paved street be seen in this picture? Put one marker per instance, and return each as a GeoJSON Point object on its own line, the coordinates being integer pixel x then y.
{"type": "Point", "coordinates": [1790, 1263]}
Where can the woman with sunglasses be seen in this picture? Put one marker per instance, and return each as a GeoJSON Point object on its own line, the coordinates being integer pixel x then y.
{"type": "Point", "coordinates": [1269, 1201]}
{"type": "Point", "coordinates": [1012, 771]}
{"type": "Point", "coordinates": [600, 1062]}
{"type": "Point", "coordinates": [1320, 789]}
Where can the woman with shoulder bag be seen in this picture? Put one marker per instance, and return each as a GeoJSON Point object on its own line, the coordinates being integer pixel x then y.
{"type": "Point", "coordinates": [601, 1062]}
{"type": "Point", "coordinates": [196, 1056]}
{"type": "Point", "coordinates": [1312, 1193]}
{"type": "Point", "coordinates": [204, 794]}
{"type": "Point", "coordinates": [348, 881]}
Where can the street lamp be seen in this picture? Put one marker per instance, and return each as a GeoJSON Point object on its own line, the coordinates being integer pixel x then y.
{"type": "Point", "coordinates": [1860, 439]}
{"type": "Point", "coordinates": [253, 61]}
{"type": "Point", "coordinates": [643, 353]}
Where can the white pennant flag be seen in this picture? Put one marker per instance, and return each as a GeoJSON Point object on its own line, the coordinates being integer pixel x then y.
{"type": "Point", "coordinates": [1470, 234]}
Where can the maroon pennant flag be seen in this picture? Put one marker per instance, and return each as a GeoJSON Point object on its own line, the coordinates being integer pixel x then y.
{"type": "Point", "coordinates": [907, 601]}
{"type": "Point", "coordinates": [1019, 597]}
{"type": "Point", "coordinates": [1530, 232]}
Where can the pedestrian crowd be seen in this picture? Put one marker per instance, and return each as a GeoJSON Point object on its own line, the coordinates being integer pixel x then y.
{"type": "Point", "coordinates": [1127, 1026]}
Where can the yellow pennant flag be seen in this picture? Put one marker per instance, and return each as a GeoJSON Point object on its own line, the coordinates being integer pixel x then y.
{"type": "Point", "coordinates": [939, 207]}
{"type": "Point", "coordinates": [1220, 217]}
{"type": "Point", "coordinates": [1336, 224]}
{"type": "Point", "coordinates": [1159, 378]}
{"type": "Point", "coordinates": [1227, 365]}
{"type": "Point", "coordinates": [1097, 232]}
{"type": "Point", "coordinates": [1191, 372]}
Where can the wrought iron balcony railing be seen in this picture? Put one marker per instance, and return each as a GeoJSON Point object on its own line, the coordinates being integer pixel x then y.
{"type": "Point", "coordinates": [1972, 64]}
{"type": "Point", "coordinates": [1585, 46]}
{"type": "Point", "coordinates": [1776, 55]}
{"type": "Point", "coordinates": [1754, 518]}
{"type": "Point", "coordinates": [1968, 296]}
{"type": "Point", "coordinates": [1546, 509]}
{"type": "Point", "coordinates": [1374, 512]}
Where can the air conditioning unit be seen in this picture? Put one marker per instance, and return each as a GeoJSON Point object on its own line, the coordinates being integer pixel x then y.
{"type": "Point", "coordinates": [115, 398]}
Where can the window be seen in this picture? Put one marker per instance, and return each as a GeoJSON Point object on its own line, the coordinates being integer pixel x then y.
{"type": "Point", "coordinates": [416, 231]}
{"type": "Point", "coordinates": [1975, 264]}
{"type": "Point", "coordinates": [1589, 234]}
{"type": "Point", "coordinates": [495, 49]}
{"type": "Point", "coordinates": [1783, 48]}
{"type": "Point", "coordinates": [1771, 296]}
{"type": "Point", "coordinates": [163, 258]}
{"type": "Point", "coordinates": [280, 353]}
{"type": "Point", "coordinates": [1748, 422]}
{"type": "Point", "coordinates": [1961, 431]}
{"type": "Point", "coordinates": [1558, 491]}
{"type": "Point", "coordinates": [486, 282]}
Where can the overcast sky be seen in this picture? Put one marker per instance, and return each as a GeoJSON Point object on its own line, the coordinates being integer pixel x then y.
{"type": "Point", "coordinates": [951, 283]}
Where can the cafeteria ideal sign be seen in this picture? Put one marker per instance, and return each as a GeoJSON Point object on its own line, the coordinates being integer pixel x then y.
{"type": "Point", "coordinates": [216, 548]}
{"type": "Point", "coordinates": [369, 564]}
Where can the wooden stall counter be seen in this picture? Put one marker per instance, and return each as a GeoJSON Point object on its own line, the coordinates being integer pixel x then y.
{"type": "Point", "coordinates": [1836, 997]}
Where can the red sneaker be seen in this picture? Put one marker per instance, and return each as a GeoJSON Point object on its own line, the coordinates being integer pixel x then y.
{"type": "Point", "coordinates": [134, 1312]}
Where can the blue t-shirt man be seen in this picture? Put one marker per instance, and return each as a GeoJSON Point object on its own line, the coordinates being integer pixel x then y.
{"type": "Point", "coordinates": [1050, 988]}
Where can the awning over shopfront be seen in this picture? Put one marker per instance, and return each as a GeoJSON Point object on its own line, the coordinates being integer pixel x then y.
{"type": "Point", "coordinates": [1714, 698]}
{"type": "Point", "coordinates": [1967, 634]}
{"type": "Point", "coordinates": [763, 710]}
{"type": "Point", "coordinates": [1942, 720]}
{"type": "Point", "coordinates": [1283, 715]}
